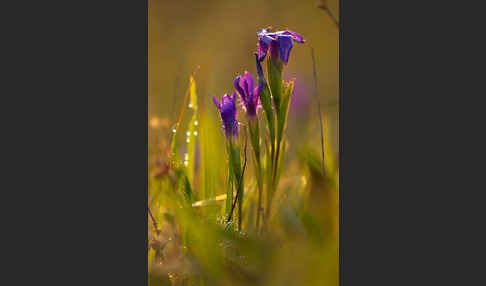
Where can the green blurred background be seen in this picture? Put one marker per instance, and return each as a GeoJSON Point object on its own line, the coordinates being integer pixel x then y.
{"type": "Point", "coordinates": [219, 37]}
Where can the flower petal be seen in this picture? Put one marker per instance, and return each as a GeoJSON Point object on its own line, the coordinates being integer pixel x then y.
{"type": "Point", "coordinates": [227, 110]}
{"type": "Point", "coordinates": [266, 36]}
{"type": "Point", "coordinates": [285, 45]}
{"type": "Point", "coordinates": [262, 50]}
{"type": "Point", "coordinates": [262, 32]}
{"type": "Point", "coordinates": [226, 99]}
{"type": "Point", "coordinates": [238, 88]}
{"type": "Point", "coordinates": [248, 83]}
{"type": "Point", "coordinates": [257, 90]}
{"type": "Point", "coordinates": [295, 36]}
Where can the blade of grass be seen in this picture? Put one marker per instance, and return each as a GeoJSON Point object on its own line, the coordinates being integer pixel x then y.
{"type": "Point", "coordinates": [176, 159]}
{"type": "Point", "coordinates": [186, 97]}
{"type": "Point", "coordinates": [191, 132]}
{"type": "Point", "coordinates": [316, 93]}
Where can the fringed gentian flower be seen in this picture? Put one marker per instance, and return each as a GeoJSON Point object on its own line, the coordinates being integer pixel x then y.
{"type": "Point", "coordinates": [278, 43]}
{"type": "Point", "coordinates": [227, 109]}
{"type": "Point", "coordinates": [249, 96]}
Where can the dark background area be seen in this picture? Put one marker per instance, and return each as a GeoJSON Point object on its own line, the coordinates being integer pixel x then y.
{"type": "Point", "coordinates": [63, 225]}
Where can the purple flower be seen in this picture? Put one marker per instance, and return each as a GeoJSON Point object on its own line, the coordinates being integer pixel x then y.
{"type": "Point", "coordinates": [227, 109]}
{"type": "Point", "coordinates": [248, 95]}
{"type": "Point", "coordinates": [278, 43]}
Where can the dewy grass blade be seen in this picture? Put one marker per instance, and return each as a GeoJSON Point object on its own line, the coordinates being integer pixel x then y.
{"type": "Point", "coordinates": [175, 129]}
{"type": "Point", "coordinates": [191, 134]}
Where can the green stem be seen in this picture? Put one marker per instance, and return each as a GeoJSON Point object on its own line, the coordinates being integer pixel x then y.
{"type": "Point", "coordinates": [240, 204]}
{"type": "Point", "coordinates": [275, 167]}
{"type": "Point", "coordinates": [254, 130]}
{"type": "Point", "coordinates": [229, 190]}
{"type": "Point", "coordinates": [260, 190]}
{"type": "Point", "coordinates": [274, 182]}
{"type": "Point", "coordinates": [238, 173]}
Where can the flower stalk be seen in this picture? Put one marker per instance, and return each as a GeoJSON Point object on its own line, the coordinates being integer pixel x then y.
{"type": "Point", "coordinates": [227, 109]}
{"type": "Point", "coordinates": [274, 97]}
{"type": "Point", "coordinates": [278, 45]}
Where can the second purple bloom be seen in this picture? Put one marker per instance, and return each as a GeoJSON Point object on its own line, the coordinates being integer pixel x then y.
{"type": "Point", "coordinates": [249, 94]}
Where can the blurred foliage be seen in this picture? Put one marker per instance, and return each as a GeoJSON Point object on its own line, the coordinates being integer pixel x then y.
{"type": "Point", "coordinates": [192, 245]}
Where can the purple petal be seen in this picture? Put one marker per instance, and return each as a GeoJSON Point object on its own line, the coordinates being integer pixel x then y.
{"type": "Point", "coordinates": [285, 45]}
{"type": "Point", "coordinates": [268, 38]}
{"type": "Point", "coordinates": [238, 88]}
{"type": "Point", "coordinates": [262, 50]}
{"type": "Point", "coordinates": [262, 32]}
{"type": "Point", "coordinates": [257, 90]}
{"type": "Point", "coordinates": [226, 99]}
{"type": "Point", "coordinates": [216, 101]}
{"type": "Point", "coordinates": [295, 36]}
{"type": "Point", "coordinates": [227, 110]}
{"type": "Point", "coordinates": [228, 107]}
{"type": "Point", "coordinates": [248, 82]}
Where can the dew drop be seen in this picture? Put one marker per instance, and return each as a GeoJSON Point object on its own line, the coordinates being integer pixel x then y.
{"type": "Point", "coordinates": [195, 123]}
{"type": "Point", "coordinates": [173, 130]}
{"type": "Point", "coordinates": [195, 133]}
